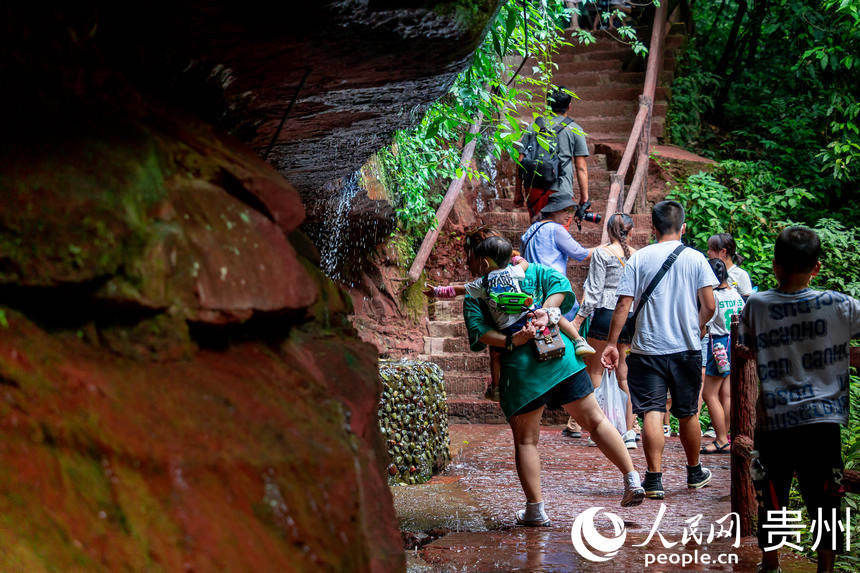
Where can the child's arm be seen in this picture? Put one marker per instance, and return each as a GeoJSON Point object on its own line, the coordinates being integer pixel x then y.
{"type": "Point", "coordinates": [445, 291]}
{"type": "Point", "coordinates": [518, 260]}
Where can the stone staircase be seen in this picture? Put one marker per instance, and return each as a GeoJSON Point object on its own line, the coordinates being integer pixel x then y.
{"type": "Point", "coordinates": [609, 101]}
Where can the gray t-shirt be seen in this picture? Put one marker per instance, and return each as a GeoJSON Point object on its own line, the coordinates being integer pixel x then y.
{"type": "Point", "coordinates": [570, 145]}
{"type": "Point", "coordinates": [669, 323]}
{"type": "Point", "coordinates": [801, 341]}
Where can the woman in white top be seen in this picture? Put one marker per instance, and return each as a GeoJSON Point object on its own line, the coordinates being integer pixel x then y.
{"type": "Point", "coordinates": [598, 302]}
{"type": "Point", "coordinates": [722, 246]}
{"type": "Point", "coordinates": [716, 387]}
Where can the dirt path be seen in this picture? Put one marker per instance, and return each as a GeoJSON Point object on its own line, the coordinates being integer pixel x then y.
{"type": "Point", "coordinates": [471, 506]}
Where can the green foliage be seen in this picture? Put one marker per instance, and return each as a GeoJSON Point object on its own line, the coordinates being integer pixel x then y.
{"type": "Point", "coordinates": [422, 158]}
{"type": "Point", "coordinates": [754, 204]}
{"type": "Point", "coordinates": [746, 200]}
{"type": "Point", "coordinates": [784, 91]}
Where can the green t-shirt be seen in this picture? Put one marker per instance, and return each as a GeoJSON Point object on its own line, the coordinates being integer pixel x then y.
{"type": "Point", "coordinates": [523, 378]}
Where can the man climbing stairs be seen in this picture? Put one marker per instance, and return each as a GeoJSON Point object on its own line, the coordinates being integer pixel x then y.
{"type": "Point", "coordinates": [606, 110]}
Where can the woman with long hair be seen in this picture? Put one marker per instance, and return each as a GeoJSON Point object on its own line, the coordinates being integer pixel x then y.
{"type": "Point", "coordinates": [598, 302]}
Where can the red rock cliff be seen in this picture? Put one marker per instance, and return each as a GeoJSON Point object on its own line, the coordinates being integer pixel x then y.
{"type": "Point", "coordinates": [179, 386]}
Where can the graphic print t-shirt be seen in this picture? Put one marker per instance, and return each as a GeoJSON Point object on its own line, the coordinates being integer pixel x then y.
{"type": "Point", "coordinates": [729, 303]}
{"type": "Point", "coordinates": [499, 281]}
{"type": "Point", "coordinates": [801, 341]}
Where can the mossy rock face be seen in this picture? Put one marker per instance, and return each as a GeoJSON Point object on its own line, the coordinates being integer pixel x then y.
{"type": "Point", "coordinates": [75, 211]}
{"type": "Point", "coordinates": [153, 220]}
{"type": "Point", "coordinates": [413, 418]}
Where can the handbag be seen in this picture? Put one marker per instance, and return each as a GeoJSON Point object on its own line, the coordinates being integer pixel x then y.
{"type": "Point", "coordinates": [667, 264]}
{"type": "Point", "coordinates": [549, 344]}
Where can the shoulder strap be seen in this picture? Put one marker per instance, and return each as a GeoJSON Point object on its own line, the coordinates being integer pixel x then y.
{"type": "Point", "coordinates": [532, 235]}
{"type": "Point", "coordinates": [667, 264]}
{"type": "Point", "coordinates": [559, 127]}
{"type": "Point", "coordinates": [620, 260]}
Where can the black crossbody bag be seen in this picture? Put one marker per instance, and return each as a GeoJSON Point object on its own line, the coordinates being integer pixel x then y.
{"type": "Point", "coordinates": [667, 264]}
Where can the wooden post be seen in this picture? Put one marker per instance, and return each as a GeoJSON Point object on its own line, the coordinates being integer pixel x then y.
{"type": "Point", "coordinates": [744, 392]}
{"type": "Point", "coordinates": [447, 204]}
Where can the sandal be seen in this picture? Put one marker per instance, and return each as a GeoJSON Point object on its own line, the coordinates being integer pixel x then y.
{"type": "Point", "coordinates": [724, 449]}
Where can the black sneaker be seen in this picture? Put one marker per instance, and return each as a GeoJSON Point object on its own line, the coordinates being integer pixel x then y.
{"type": "Point", "coordinates": [568, 433]}
{"type": "Point", "coordinates": [697, 476]}
{"type": "Point", "coordinates": [653, 485]}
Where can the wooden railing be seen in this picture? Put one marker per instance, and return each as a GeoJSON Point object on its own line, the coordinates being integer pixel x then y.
{"type": "Point", "coordinates": [640, 135]}
{"type": "Point", "coordinates": [744, 393]}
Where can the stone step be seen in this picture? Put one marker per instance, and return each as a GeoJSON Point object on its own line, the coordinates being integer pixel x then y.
{"type": "Point", "coordinates": [446, 309]}
{"type": "Point", "coordinates": [446, 328]}
{"type": "Point", "coordinates": [441, 345]}
{"type": "Point", "coordinates": [609, 93]}
{"type": "Point", "coordinates": [616, 108]}
{"type": "Point", "coordinates": [472, 384]}
{"type": "Point", "coordinates": [574, 79]}
{"type": "Point", "coordinates": [460, 361]}
{"type": "Point", "coordinates": [468, 409]}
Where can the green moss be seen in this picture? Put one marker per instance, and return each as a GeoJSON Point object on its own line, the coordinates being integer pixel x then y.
{"type": "Point", "coordinates": [78, 211]}
{"type": "Point", "coordinates": [413, 300]}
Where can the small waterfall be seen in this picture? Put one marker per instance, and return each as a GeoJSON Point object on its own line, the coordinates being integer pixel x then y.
{"type": "Point", "coordinates": [331, 242]}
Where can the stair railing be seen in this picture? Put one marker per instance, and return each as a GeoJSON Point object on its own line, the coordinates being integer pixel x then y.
{"type": "Point", "coordinates": [640, 135]}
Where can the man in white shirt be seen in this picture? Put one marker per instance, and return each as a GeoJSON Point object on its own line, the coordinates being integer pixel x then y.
{"type": "Point", "coordinates": [666, 354]}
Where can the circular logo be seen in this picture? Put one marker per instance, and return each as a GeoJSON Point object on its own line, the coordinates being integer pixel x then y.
{"type": "Point", "coordinates": [591, 544]}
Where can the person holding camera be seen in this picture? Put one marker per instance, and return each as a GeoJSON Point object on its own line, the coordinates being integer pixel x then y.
{"type": "Point", "coordinates": [570, 152]}
{"type": "Point", "coordinates": [548, 242]}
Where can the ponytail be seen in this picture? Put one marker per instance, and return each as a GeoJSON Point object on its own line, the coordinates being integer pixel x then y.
{"type": "Point", "coordinates": [619, 227]}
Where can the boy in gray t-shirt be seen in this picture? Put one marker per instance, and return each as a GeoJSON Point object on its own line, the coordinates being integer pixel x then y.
{"type": "Point", "coordinates": [800, 337]}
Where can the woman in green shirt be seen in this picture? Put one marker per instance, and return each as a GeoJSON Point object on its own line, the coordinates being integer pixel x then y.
{"type": "Point", "coordinates": [527, 386]}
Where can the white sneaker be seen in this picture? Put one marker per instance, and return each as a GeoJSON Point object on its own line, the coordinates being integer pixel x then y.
{"type": "Point", "coordinates": [629, 438]}
{"type": "Point", "coordinates": [710, 432]}
{"type": "Point", "coordinates": [591, 443]}
{"type": "Point", "coordinates": [667, 430]}
{"type": "Point", "coordinates": [533, 516]}
{"type": "Point", "coordinates": [582, 348]}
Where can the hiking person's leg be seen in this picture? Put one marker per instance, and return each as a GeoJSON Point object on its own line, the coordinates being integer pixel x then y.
{"type": "Point", "coordinates": [648, 389]}
{"type": "Point", "coordinates": [592, 362]}
{"type": "Point", "coordinates": [589, 415]}
{"type": "Point", "coordinates": [711, 395]}
{"type": "Point", "coordinates": [578, 400]}
{"type": "Point", "coordinates": [526, 433]}
{"type": "Point", "coordinates": [621, 375]}
{"type": "Point", "coordinates": [726, 401]}
{"type": "Point", "coordinates": [685, 381]}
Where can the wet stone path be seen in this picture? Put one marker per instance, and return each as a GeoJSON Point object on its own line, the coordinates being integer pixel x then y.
{"type": "Point", "coordinates": [463, 520]}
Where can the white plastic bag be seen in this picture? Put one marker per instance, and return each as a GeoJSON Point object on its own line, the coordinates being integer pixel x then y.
{"type": "Point", "coordinates": [612, 400]}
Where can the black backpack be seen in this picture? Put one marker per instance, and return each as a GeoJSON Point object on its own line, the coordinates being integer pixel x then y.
{"type": "Point", "coordinates": [540, 167]}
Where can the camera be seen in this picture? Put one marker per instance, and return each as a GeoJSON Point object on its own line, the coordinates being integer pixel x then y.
{"type": "Point", "coordinates": [584, 213]}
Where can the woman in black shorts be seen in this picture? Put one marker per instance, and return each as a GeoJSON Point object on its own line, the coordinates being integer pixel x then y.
{"type": "Point", "coordinates": [604, 274]}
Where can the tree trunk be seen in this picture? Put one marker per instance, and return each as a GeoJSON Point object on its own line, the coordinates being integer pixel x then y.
{"type": "Point", "coordinates": [731, 43]}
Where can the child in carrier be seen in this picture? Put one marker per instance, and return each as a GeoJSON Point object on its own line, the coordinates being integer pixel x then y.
{"type": "Point", "coordinates": [511, 309]}
{"type": "Point", "coordinates": [715, 391]}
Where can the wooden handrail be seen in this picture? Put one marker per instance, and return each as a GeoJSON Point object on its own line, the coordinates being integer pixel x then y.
{"type": "Point", "coordinates": [744, 393]}
{"type": "Point", "coordinates": [447, 203]}
{"type": "Point", "coordinates": [638, 134]}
